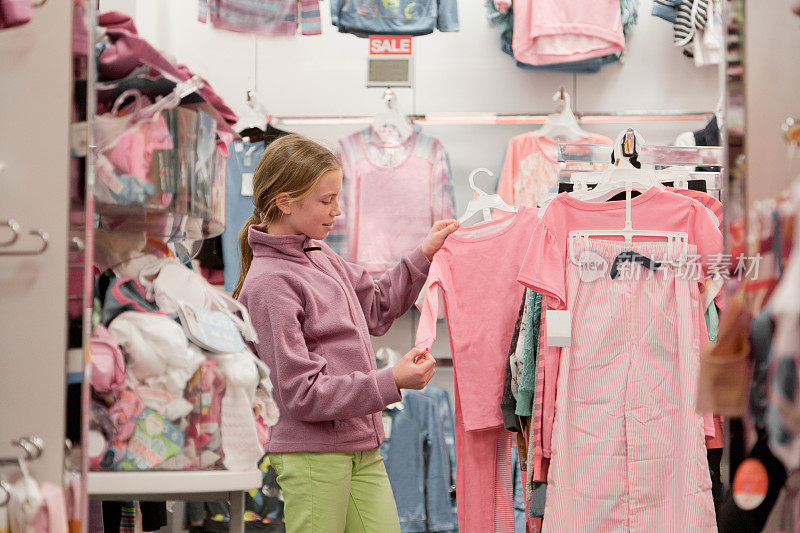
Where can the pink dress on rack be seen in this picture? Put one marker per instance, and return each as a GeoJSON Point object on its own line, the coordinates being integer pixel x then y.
{"type": "Point", "coordinates": [476, 270]}
{"type": "Point", "coordinates": [627, 445]}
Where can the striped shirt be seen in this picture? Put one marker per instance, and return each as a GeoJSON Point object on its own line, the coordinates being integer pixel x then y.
{"type": "Point", "coordinates": [270, 18]}
{"type": "Point", "coordinates": [391, 195]}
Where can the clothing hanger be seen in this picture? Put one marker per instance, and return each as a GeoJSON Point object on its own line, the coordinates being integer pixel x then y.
{"type": "Point", "coordinates": [484, 202]}
{"type": "Point", "coordinates": [625, 175]}
{"type": "Point", "coordinates": [392, 118]}
{"type": "Point", "coordinates": [563, 125]}
{"type": "Point", "coordinates": [253, 132]}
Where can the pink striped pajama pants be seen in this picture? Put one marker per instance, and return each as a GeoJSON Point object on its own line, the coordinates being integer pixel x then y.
{"type": "Point", "coordinates": [628, 452]}
{"type": "Point", "coordinates": [484, 484]}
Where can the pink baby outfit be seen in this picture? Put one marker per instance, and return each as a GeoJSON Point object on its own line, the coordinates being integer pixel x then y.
{"type": "Point", "coordinates": [391, 195]}
{"type": "Point", "coordinates": [530, 169]}
{"type": "Point", "coordinates": [476, 270]}
{"type": "Point", "coordinates": [624, 406]}
{"type": "Point", "coordinates": [561, 31]}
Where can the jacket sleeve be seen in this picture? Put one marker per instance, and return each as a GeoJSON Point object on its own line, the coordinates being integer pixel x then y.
{"type": "Point", "coordinates": [447, 19]}
{"type": "Point", "coordinates": [300, 376]}
{"type": "Point", "coordinates": [310, 22]}
{"type": "Point", "coordinates": [389, 297]}
{"type": "Point", "coordinates": [336, 6]}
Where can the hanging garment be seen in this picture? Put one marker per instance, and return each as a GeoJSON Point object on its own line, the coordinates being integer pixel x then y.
{"type": "Point", "coordinates": [653, 209]}
{"type": "Point", "coordinates": [501, 14]}
{"type": "Point", "coordinates": [242, 161]}
{"type": "Point", "coordinates": [625, 406]}
{"type": "Point", "coordinates": [127, 51]}
{"type": "Point", "coordinates": [446, 418]}
{"type": "Point", "coordinates": [614, 406]}
{"type": "Point", "coordinates": [391, 195]}
{"type": "Point", "coordinates": [399, 17]}
{"type": "Point", "coordinates": [270, 18]}
{"type": "Point", "coordinates": [530, 168]}
{"type": "Point", "coordinates": [559, 31]}
{"type": "Point", "coordinates": [482, 303]}
{"type": "Point", "coordinates": [417, 463]}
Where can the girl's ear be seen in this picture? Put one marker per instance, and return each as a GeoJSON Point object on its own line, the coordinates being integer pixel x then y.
{"type": "Point", "coordinates": [284, 203]}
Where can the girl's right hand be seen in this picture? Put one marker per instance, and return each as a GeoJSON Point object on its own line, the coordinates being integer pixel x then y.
{"type": "Point", "coordinates": [414, 370]}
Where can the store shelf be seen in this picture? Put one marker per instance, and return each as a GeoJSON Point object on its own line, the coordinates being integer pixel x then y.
{"type": "Point", "coordinates": [161, 223]}
{"type": "Point", "coordinates": [163, 485]}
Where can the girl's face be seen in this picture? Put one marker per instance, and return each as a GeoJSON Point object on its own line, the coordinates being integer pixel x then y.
{"type": "Point", "coordinates": [313, 215]}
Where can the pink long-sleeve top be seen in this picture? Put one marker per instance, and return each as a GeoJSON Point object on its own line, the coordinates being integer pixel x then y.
{"type": "Point", "coordinates": [477, 269]}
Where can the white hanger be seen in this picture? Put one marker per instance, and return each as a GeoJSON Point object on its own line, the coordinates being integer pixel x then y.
{"type": "Point", "coordinates": [563, 125]}
{"type": "Point", "coordinates": [392, 117]}
{"type": "Point", "coordinates": [483, 201]}
{"type": "Point", "coordinates": [625, 176]}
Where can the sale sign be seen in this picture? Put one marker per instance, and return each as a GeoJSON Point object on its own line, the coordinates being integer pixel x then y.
{"type": "Point", "coordinates": [389, 45]}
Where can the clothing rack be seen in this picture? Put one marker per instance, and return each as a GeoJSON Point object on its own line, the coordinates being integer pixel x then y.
{"type": "Point", "coordinates": [481, 119]}
{"type": "Point", "coordinates": [651, 155]}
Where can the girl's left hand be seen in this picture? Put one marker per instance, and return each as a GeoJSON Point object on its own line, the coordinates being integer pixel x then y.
{"type": "Point", "coordinates": [439, 232]}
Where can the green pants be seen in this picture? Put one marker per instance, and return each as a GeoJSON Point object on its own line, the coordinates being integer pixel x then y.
{"type": "Point", "coordinates": [336, 492]}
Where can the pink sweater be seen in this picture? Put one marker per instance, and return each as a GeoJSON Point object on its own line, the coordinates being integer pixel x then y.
{"type": "Point", "coordinates": [314, 312]}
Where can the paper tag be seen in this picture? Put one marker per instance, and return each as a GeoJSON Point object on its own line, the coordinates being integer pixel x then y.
{"type": "Point", "coordinates": [558, 325]}
{"type": "Point", "coordinates": [750, 484]}
{"type": "Point", "coordinates": [247, 184]}
{"type": "Point", "coordinates": [387, 425]}
{"type": "Point", "coordinates": [79, 139]}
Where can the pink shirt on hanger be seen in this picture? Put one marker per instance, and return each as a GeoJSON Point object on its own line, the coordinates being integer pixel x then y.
{"type": "Point", "coordinates": [476, 269]}
{"type": "Point", "coordinates": [530, 168]}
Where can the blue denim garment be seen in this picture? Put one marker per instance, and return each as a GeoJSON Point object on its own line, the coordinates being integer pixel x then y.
{"type": "Point", "coordinates": [666, 9]}
{"type": "Point", "coordinates": [449, 428]}
{"type": "Point", "coordinates": [417, 463]}
{"type": "Point", "coordinates": [586, 66]}
{"type": "Point", "coordinates": [403, 17]}
{"type": "Point", "coordinates": [242, 159]}
{"type": "Point", "coordinates": [519, 493]}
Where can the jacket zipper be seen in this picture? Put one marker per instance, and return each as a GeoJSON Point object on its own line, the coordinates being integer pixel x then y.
{"type": "Point", "coordinates": [353, 318]}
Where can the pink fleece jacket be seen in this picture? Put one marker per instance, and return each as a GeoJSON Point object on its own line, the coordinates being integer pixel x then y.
{"type": "Point", "coordinates": [314, 312]}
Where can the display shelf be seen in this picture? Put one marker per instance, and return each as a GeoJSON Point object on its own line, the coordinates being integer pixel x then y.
{"type": "Point", "coordinates": [170, 484]}
{"type": "Point", "coordinates": [205, 485]}
{"type": "Point", "coordinates": [156, 222]}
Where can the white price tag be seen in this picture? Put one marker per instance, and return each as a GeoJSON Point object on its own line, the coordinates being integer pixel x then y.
{"type": "Point", "coordinates": [558, 325]}
{"type": "Point", "coordinates": [387, 425]}
{"type": "Point", "coordinates": [247, 184]}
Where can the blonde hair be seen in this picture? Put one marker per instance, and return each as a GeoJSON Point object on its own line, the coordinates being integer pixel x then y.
{"type": "Point", "coordinates": [291, 164]}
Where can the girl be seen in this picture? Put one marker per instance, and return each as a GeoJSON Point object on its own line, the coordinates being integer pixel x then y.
{"type": "Point", "coordinates": [314, 312]}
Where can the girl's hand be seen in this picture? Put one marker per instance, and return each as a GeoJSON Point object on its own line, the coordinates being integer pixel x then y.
{"type": "Point", "coordinates": [414, 370]}
{"type": "Point", "coordinates": [439, 232]}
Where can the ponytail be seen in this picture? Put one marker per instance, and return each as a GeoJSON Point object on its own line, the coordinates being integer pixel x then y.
{"type": "Point", "coordinates": [246, 253]}
{"type": "Point", "coordinates": [291, 164]}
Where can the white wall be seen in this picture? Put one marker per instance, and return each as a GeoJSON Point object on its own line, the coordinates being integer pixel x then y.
{"type": "Point", "coordinates": [455, 72]}
{"type": "Point", "coordinates": [35, 93]}
{"type": "Point", "coordinates": [771, 94]}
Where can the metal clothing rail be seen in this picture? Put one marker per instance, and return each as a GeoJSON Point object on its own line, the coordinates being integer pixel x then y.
{"type": "Point", "coordinates": [479, 119]}
{"type": "Point", "coordinates": [652, 155]}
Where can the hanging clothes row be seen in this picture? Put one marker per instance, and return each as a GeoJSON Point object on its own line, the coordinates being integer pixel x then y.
{"type": "Point", "coordinates": [617, 404]}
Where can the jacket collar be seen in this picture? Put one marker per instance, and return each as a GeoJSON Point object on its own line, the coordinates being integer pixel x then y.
{"type": "Point", "coordinates": [268, 245]}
